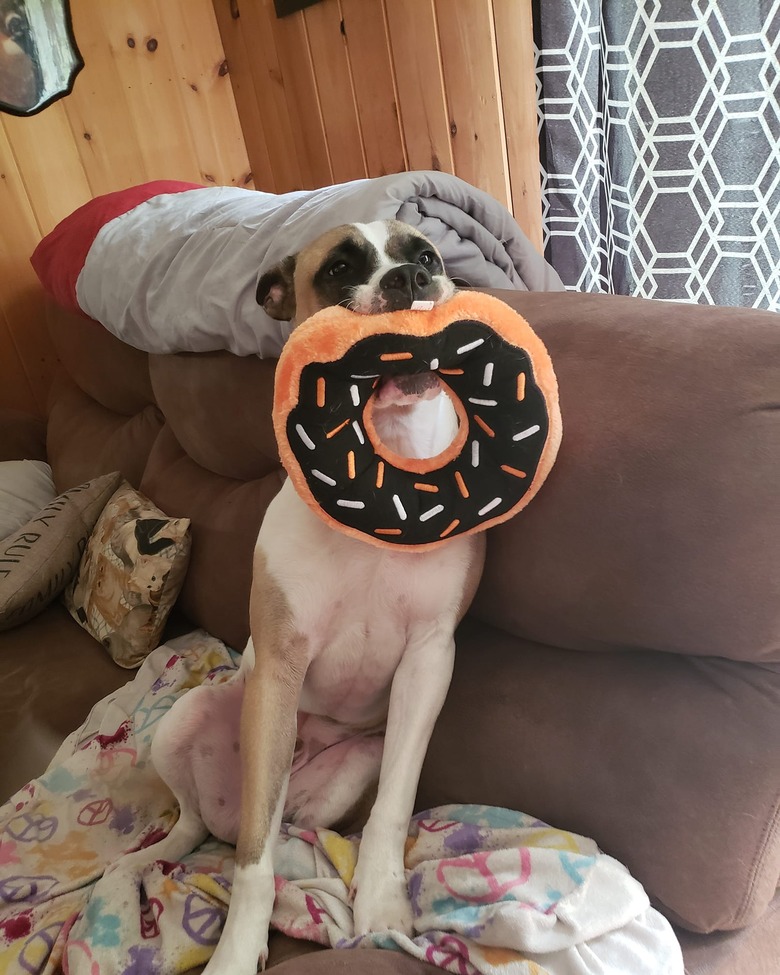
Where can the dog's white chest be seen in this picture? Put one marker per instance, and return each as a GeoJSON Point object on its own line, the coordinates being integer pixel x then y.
{"type": "Point", "coordinates": [354, 604]}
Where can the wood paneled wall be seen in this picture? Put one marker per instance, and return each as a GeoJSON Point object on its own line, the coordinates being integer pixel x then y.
{"type": "Point", "coordinates": [343, 90]}
{"type": "Point", "coordinates": [154, 101]}
{"type": "Point", "coordinates": [353, 88]}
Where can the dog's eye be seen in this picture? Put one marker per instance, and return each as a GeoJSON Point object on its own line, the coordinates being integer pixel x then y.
{"type": "Point", "coordinates": [337, 269]}
{"type": "Point", "coordinates": [427, 259]}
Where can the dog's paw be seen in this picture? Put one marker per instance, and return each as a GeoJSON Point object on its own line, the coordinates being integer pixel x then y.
{"type": "Point", "coordinates": [380, 902]}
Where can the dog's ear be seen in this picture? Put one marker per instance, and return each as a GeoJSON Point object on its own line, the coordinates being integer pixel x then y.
{"type": "Point", "coordinates": [276, 290]}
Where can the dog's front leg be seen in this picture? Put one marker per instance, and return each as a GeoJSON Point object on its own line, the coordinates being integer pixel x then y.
{"type": "Point", "coordinates": [420, 684]}
{"type": "Point", "coordinates": [268, 728]}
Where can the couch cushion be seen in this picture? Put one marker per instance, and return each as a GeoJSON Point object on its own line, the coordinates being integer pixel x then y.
{"type": "Point", "coordinates": [107, 370]}
{"type": "Point", "coordinates": [85, 439]}
{"type": "Point", "coordinates": [22, 436]}
{"type": "Point", "coordinates": [659, 526]}
{"type": "Point", "coordinates": [52, 672]}
{"type": "Point", "coordinates": [671, 763]}
{"type": "Point", "coordinates": [218, 406]}
{"type": "Point", "coordinates": [225, 516]}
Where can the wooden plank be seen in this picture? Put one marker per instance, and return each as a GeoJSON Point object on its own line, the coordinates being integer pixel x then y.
{"type": "Point", "coordinates": [236, 48]}
{"type": "Point", "coordinates": [422, 101]}
{"type": "Point", "coordinates": [52, 173]}
{"type": "Point", "coordinates": [308, 127]}
{"type": "Point", "coordinates": [27, 358]}
{"type": "Point", "coordinates": [98, 110]}
{"type": "Point", "coordinates": [515, 43]}
{"type": "Point", "coordinates": [256, 23]}
{"type": "Point", "coordinates": [145, 66]}
{"type": "Point", "coordinates": [372, 76]}
{"type": "Point", "coordinates": [469, 60]}
{"type": "Point", "coordinates": [191, 30]}
{"type": "Point", "coordinates": [334, 88]}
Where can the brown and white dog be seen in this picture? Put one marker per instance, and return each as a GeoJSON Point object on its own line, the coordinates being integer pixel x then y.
{"type": "Point", "coordinates": [351, 648]}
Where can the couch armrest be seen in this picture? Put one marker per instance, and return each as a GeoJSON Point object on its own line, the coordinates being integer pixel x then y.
{"type": "Point", "coordinates": [22, 436]}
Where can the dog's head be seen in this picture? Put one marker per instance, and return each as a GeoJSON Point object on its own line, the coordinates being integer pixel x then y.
{"type": "Point", "coordinates": [368, 267]}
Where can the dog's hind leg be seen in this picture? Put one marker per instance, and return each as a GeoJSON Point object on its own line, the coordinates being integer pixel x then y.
{"type": "Point", "coordinates": [335, 788]}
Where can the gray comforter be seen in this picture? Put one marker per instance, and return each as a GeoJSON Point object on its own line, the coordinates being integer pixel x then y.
{"type": "Point", "coordinates": [179, 272]}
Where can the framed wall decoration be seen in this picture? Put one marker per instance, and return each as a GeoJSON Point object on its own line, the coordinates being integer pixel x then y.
{"type": "Point", "coordinates": [39, 59]}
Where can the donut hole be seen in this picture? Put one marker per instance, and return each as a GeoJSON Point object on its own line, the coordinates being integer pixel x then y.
{"type": "Point", "coordinates": [415, 422]}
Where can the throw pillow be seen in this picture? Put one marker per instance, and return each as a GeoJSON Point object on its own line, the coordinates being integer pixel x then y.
{"type": "Point", "coordinates": [39, 559]}
{"type": "Point", "coordinates": [130, 575]}
{"type": "Point", "coordinates": [25, 487]}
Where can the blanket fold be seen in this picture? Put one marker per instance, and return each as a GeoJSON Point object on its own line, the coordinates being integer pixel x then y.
{"type": "Point", "coordinates": [171, 267]}
{"type": "Point", "coordinates": [492, 891]}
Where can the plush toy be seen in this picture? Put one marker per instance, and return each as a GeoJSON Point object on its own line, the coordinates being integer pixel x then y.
{"type": "Point", "coordinates": [500, 380]}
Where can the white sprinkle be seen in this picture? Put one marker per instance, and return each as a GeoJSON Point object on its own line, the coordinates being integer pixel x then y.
{"type": "Point", "coordinates": [399, 507]}
{"type": "Point", "coordinates": [483, 402]}
{"type": "Point", "coordinates": [324, 477]}
{"type": "Point", "coordinates": [358, 431]}
{"type": "Point", "coordinates": [431, 512]}
{"type": "Point", "coordinates": [487, 379]}
{"type": "Point", "coordinates": [527, 433]}
{"type": "Point", "coordinates": [470, 346]}
{"type": "Point", "coordinates": [489, 507]}
{"type": "Point", "coordinates": [422, 305]}
{"type": "Point", "coordinates": [354, 392]}
{"type": "Point", "coordinates": [475, 453]}
{"type": "Point", "coordinates": [374, 375]}
{"type": "Point", "coordinates": [350, 504]}
{"type": "Point", "coordinates": [304, 436]}
{"type": "Point", "coordinates": [434, 364]}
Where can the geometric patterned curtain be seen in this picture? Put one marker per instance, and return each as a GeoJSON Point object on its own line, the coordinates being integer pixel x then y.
{"type": "Point", "coordinates": [659, 132]}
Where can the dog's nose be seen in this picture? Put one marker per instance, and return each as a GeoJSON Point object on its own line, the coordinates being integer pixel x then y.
{"type": "Point", "coordinates": [408, 278]}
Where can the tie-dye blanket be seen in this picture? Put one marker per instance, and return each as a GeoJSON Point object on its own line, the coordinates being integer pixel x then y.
{"type": "Point", "coordinates": [493, 891]}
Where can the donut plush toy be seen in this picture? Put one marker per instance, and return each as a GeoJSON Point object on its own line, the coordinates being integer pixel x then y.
{"type": "Point", "coordinates": [499, 377]}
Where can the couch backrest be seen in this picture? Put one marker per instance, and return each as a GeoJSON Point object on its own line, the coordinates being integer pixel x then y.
{"type": "Point", "coordinates": [658, 527]}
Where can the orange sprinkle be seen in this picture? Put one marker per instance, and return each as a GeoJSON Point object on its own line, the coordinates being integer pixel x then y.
{"type": "Point", "coordinates": [427, 487]}
{"type": "Point", "coordinates": [521, 386]}
{"type": "Point", "coordinates": [461, 484]}
{"type": "Point", "coordinates": [395, 356]}
{"type": "Point", "coordinates": [380, 474]}
{"type": "Point", "coordinates": [388, 531]}
{"type": "Point", "coordinates": [336, 429]}
{"type": "Point", "coordinates": [451, 372]}
{"type": "Point", "coordinates": [513, 470]}
{"type": "Point", "coordinates": [450, 528]}
{"type": "Point", "coordinates": [485, 427]}
{"type": "Point", "coordinates": [321, 391]}
{"type": "Point", "coordinates": [351, 465]}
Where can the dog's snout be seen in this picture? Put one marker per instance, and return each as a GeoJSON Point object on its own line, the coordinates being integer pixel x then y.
{"type": "Point", "coordinates": [410, 279]}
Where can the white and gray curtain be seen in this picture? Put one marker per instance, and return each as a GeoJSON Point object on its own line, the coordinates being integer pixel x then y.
{"type": "Point", "coordinates": [660, 147]}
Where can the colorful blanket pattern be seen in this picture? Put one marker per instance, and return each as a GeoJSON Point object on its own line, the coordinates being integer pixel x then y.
{"type": "Point", "coordinates": [493, 891]}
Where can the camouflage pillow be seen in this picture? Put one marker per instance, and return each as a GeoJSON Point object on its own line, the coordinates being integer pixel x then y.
{"type": "Point", "coordinates": [130, 575]}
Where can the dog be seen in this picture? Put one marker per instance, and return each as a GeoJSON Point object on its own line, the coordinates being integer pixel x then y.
{"type": "Point", "coordinates": [351, 648]}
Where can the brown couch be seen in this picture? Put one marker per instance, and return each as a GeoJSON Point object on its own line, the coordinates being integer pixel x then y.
{"type": "Point", "coordinates": [619, 673]}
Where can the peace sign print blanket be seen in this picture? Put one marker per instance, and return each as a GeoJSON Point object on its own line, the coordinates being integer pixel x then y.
{"type": "Point", "coordinates": [493, 891]}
